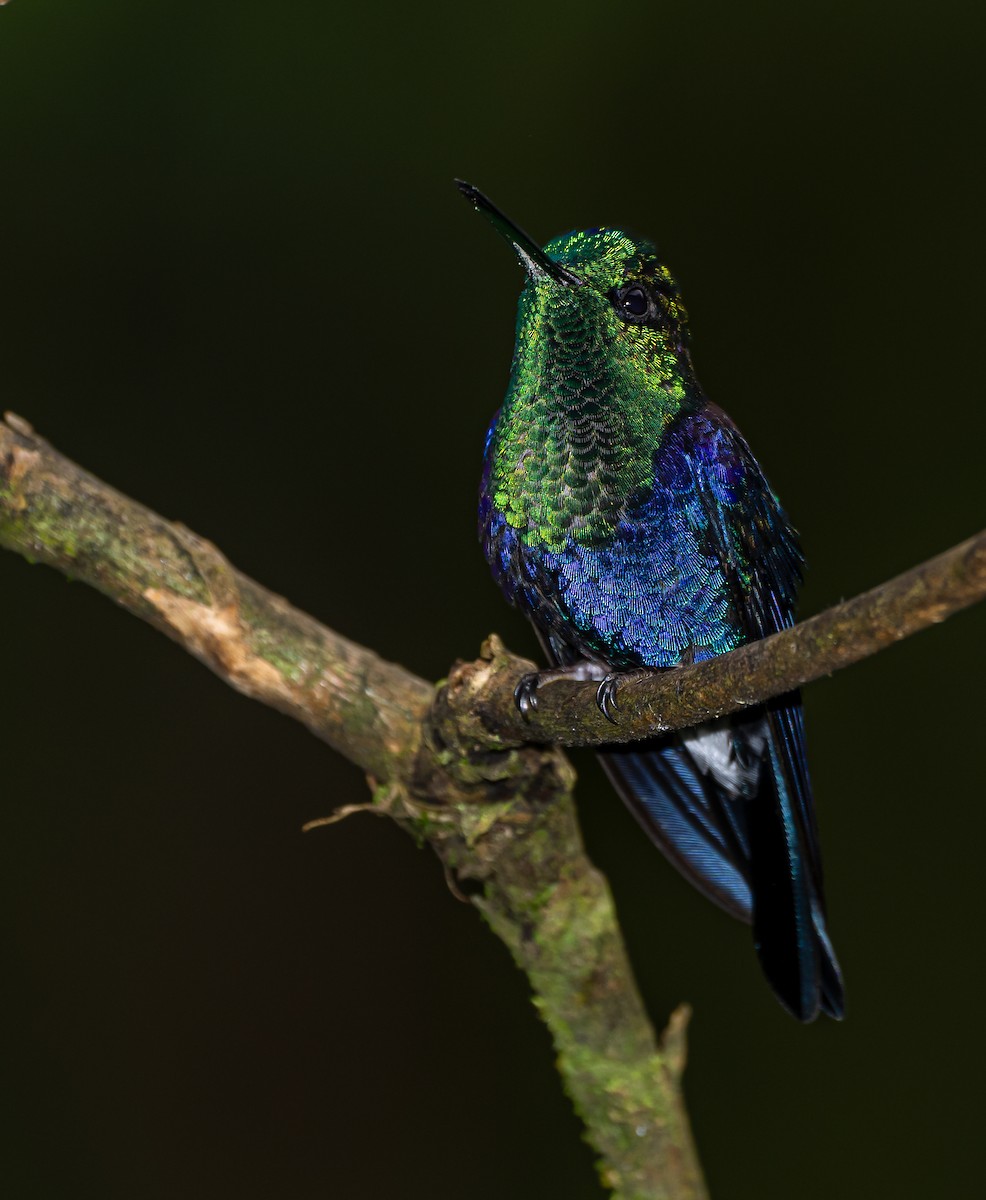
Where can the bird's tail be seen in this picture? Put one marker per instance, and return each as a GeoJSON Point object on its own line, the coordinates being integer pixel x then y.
{"type": "Point", "coordinates": [729, 804]}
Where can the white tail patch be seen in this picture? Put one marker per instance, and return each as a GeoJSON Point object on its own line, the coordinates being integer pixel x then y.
{"type": "Point", "coordinates": [734, 759]}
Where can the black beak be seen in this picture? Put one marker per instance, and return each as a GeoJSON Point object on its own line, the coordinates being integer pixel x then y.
{"type": "Point", "coordinates": [532, 257]}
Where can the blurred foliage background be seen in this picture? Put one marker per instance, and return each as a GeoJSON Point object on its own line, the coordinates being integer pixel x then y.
{"type": "Point", "coordinates": [239, 285]}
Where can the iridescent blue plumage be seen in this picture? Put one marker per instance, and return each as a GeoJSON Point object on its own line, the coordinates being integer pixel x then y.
{"type": "Point", "coordinates": [626, 516]}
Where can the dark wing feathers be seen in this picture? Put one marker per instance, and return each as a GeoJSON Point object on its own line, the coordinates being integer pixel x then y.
{"type": "Point", "coordinates": [791, 934]}
{"type": "Point", "coordinates": [683, 814]}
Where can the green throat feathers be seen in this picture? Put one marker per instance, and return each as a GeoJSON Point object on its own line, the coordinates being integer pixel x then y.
{"type": "Point", "coordinates": [593, 385]}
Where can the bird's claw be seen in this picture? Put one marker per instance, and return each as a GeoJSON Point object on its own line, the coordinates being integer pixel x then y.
{"type": "Point", "coordinates": [526, 691]}
{"type": "Point", "coordinates": [606, 696]}
{"type": "Point", "coordinates": [526, 694]}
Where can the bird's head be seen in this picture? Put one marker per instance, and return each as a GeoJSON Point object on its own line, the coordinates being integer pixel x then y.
{"type": "Point", "coordinates": [594, 298]}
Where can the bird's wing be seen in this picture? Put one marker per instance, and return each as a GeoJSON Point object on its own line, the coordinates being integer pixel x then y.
{"type": "Point", "coordinates": [764, 565]}
{"type": "Point", "coordinates": [730, 803]}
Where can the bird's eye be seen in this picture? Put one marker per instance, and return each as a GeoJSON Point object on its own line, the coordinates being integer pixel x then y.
{"type": "Point", "coordinates": [635, 302]}
{"type": "Point", "coordinates": [632, 303]}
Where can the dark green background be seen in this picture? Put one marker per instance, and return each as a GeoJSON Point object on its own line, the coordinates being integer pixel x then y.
{"type": "Point", "coordinates": [237, 283]}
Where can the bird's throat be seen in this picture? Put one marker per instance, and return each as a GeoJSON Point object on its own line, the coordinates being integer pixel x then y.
{"type": "Point", "coordinates": [573, 449]}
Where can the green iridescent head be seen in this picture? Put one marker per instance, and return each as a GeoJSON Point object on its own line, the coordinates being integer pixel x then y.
{"type": "Point", "coordinates": [641, 295]}
{"type": "Point", "coordinates": [607, 280]}
{"type": "Point", "coordinates": [601, 365]}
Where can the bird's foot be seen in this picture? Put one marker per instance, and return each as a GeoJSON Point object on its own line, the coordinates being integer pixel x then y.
{"type": "Point", "coordinates": [526, 691]}
{"type": "Point", "coordinates": [526, 694]}
{"type": "Point", "coordinates": [606, 696]}
{"type": "Point", "coordinates": [606, 692]}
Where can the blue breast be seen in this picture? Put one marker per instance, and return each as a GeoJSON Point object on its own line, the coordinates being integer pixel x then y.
{"type": "Point", "coordinates": [659, 587]}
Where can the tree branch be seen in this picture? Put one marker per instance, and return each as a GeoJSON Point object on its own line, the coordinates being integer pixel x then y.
{"type": "Point", "coordinates": [52, 511]}
{"type": "Point", "coordinates": [662, 701]}
{"type": "Point", "coordinates": [457, 765]}
{"type": "Point", "coordinates": [504, 819]}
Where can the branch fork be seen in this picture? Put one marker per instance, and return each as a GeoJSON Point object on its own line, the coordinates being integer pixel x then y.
{"type": "Point", "coordinates": [462, 769]}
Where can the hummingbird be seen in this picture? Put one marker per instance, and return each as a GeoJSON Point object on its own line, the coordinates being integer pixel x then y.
{"type": "Point", "coordinates": [624, 514]}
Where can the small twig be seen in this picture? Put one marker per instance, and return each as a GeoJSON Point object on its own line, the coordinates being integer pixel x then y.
{"type": "Point", "coordinates": [340, 814]}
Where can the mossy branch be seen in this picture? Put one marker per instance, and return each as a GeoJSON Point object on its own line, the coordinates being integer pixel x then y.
{"type": "Point", "coordinates": [458, 766]}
